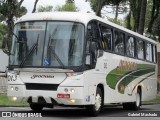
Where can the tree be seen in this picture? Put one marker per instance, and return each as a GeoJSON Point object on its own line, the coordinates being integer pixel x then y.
{"type": "Point", "coordinates": [142, 17]}
{"type": "Point", "coordinates": [70, 1]}
{"type": "Point", "coordinates": [154, 14]}
{"type": "Point", "coordinates": [10, 9]}
{"type": "Point", "coordinates": [35, 5]}
{"type": "Point", "coordinates": [97, 5]}
{"type": "Point", "coordinates": [68, 6]}
{"type": "Point", "coordinates": [48, 8]}
{"type": "Point", "coordinates": [135, 6]}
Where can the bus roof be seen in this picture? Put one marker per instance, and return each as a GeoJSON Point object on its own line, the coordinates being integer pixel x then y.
{"type": "Point", "coordinates": [75, 17]}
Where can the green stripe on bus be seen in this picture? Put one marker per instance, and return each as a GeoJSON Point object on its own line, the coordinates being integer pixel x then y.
{"type": "Point", "coordinates": [115, 75]}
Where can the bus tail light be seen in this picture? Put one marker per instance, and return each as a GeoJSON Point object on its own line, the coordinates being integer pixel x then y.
{"type": "Point", "coordinates": [63, 95]}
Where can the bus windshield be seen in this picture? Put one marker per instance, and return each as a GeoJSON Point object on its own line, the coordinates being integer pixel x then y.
{"type": "Point", "coordinates": [49, 44]}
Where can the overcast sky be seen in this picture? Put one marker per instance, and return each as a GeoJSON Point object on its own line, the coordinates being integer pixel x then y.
{"type": "Point", "coordinates": [81, 4]}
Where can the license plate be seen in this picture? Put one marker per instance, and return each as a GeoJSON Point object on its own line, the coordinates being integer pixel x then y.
{"type": "Point", "coordinates": [63, 95]}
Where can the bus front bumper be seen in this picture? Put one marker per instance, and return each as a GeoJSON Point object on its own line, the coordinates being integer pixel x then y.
{"type": "Point", "coordinates": [63, 95]}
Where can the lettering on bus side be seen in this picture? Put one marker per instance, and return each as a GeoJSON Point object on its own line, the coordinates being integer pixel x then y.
{"type": "Point", "coordinates": [105, 65]}
{"type": "Point", "coordinates": [126, 66]}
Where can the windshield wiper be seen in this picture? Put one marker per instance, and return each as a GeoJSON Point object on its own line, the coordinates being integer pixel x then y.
{"type": "Point", "coordinates": [54, 53]}
{"type": "Point", "coordinates": [31, 51]}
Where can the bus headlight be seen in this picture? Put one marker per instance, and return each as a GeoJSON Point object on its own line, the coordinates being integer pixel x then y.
{"type": "Point", "coordinates": [16, 88]}
{"type": "Point", "coordinates": [12, 88]}
{"type": "Point", "coordinates": [66, 90]}
{"type": "Point", "coordinates": [72, 90]}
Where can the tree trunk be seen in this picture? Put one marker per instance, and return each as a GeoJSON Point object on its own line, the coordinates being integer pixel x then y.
{"type": "Point", "coordinates": [10, 22]}
{"type": "Point", "coordinates": [135, 8]}
{"type": "Point", "coordinates": [116, 15]}
{"type": "Point", "coordinates": [142, 17]}
{"type": "Point", "coordinates": [35, 5]}
{"type": "Point", "coordinates": [128, 26]}
{"type": "Point", "coordinates": [100, 5]}
{"type": "Point", "coordinates": [154, 16]}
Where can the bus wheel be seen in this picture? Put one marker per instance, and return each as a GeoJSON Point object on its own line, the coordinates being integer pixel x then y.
{"type": "Point", "coordinates": [96, 108]}
{"type": "Point", "coordinates": [135, 105]}
{"type": "Point", "coordinates": [36, 106]}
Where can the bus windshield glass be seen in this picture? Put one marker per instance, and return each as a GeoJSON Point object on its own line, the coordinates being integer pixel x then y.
{"type": "Point", "coordinates": [43, 44]}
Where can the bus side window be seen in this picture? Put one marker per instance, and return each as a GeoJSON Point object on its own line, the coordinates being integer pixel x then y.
{"type": "Point", "coordinates": [106, 38]}
{"type": "Point", "coordinates": [93, 41]}
{"type": "Point", "coordinates": [148, 52]}
{"type": "Point", "coordinates": [119, 38]}
{"type": "Point", "coordinates": [130, 46]}
{"type": "Point", "coordinates": [153, 53]}
{"type": "Point", "coordinates": [140, 49]}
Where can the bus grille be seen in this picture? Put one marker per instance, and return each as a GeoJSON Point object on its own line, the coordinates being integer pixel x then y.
{"type": "Point", "coordinates": [38, 86]}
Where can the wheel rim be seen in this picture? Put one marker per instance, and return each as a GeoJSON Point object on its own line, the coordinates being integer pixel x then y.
{"type": "Point", "coordinates": [98, 102]}
{"type": "Point", "coordinates": [138, 100]}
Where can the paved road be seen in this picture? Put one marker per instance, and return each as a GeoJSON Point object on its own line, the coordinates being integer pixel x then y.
{"type": "Point", "coordinates": [60, 113]}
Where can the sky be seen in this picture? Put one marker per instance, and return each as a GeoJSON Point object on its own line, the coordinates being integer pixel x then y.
{"type": "Point", "coordinates": [81, 4]}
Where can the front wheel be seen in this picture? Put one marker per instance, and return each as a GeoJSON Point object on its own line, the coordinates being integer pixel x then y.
{"type": "Point", "coordinates": [96, 108]}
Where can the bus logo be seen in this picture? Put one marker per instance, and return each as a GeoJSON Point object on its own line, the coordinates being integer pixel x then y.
{"type": "Point", "coordinates": [42, 76]}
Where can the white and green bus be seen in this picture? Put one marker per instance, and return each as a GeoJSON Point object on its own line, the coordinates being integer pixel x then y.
{"type": "Point", "coordinates": [79, 60]}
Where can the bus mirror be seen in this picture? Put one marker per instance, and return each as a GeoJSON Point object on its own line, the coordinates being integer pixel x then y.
{"type": "Point", "coordinates": [88, 59]}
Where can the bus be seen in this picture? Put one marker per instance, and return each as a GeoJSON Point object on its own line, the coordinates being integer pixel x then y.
{"type": "Point", "coordinates": [75, 59]}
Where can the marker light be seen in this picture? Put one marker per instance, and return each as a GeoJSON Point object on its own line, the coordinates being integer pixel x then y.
{"type": "Point", "coordinates": [69, 74]}
{"type": "Point", "coordinates": [74, 74]}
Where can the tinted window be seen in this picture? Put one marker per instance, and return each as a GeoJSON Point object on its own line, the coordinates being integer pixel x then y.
{"type": "Point", "coordinates": [140, 49]}
{"type": "Point", "coordinates": [106, 38]}
{"type": "Point", "coordinates": [154, 53]}
{"type": "Point", "coordinates": [148, 52]}
{"type": "Point", "coordinates": [130, 47]}
{"type": "Point", "coordinates": [119, 42]}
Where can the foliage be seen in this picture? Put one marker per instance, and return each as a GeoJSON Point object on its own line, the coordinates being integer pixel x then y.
{"type": "Point", "coordinates": [119, 6]}
{"type": "Point", "coordinates": [118, 22]}
{"type": "Point", "coordinates": [9, 10]}
{"type": "Point", "coordinates": [47, 8]}
{"type": "Point", "coordinates": [17, 9]}
{"type": "Point", "coordinates": [67, 7]}
{"type": "Point", "coordinates": [2, 32]}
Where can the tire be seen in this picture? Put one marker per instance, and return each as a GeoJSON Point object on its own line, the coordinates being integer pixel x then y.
{"type": "Point", "coordinates": [95, 109]}
{"type": "Point", "coordinates": [36, 106]}
{"type": "Point", "coordinates": [135, 105]}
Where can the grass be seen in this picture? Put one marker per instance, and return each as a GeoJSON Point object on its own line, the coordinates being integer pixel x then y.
{"type": "Point", "coordinates": [5, 102]}
{"type": "Point", "coordinates": [155, 101]}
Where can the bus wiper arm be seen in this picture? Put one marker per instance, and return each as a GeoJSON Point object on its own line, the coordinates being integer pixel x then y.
{"type": "Point", "coordinates": [34, 46]}
{"type": "Point", "coordinates": [56, 56]}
